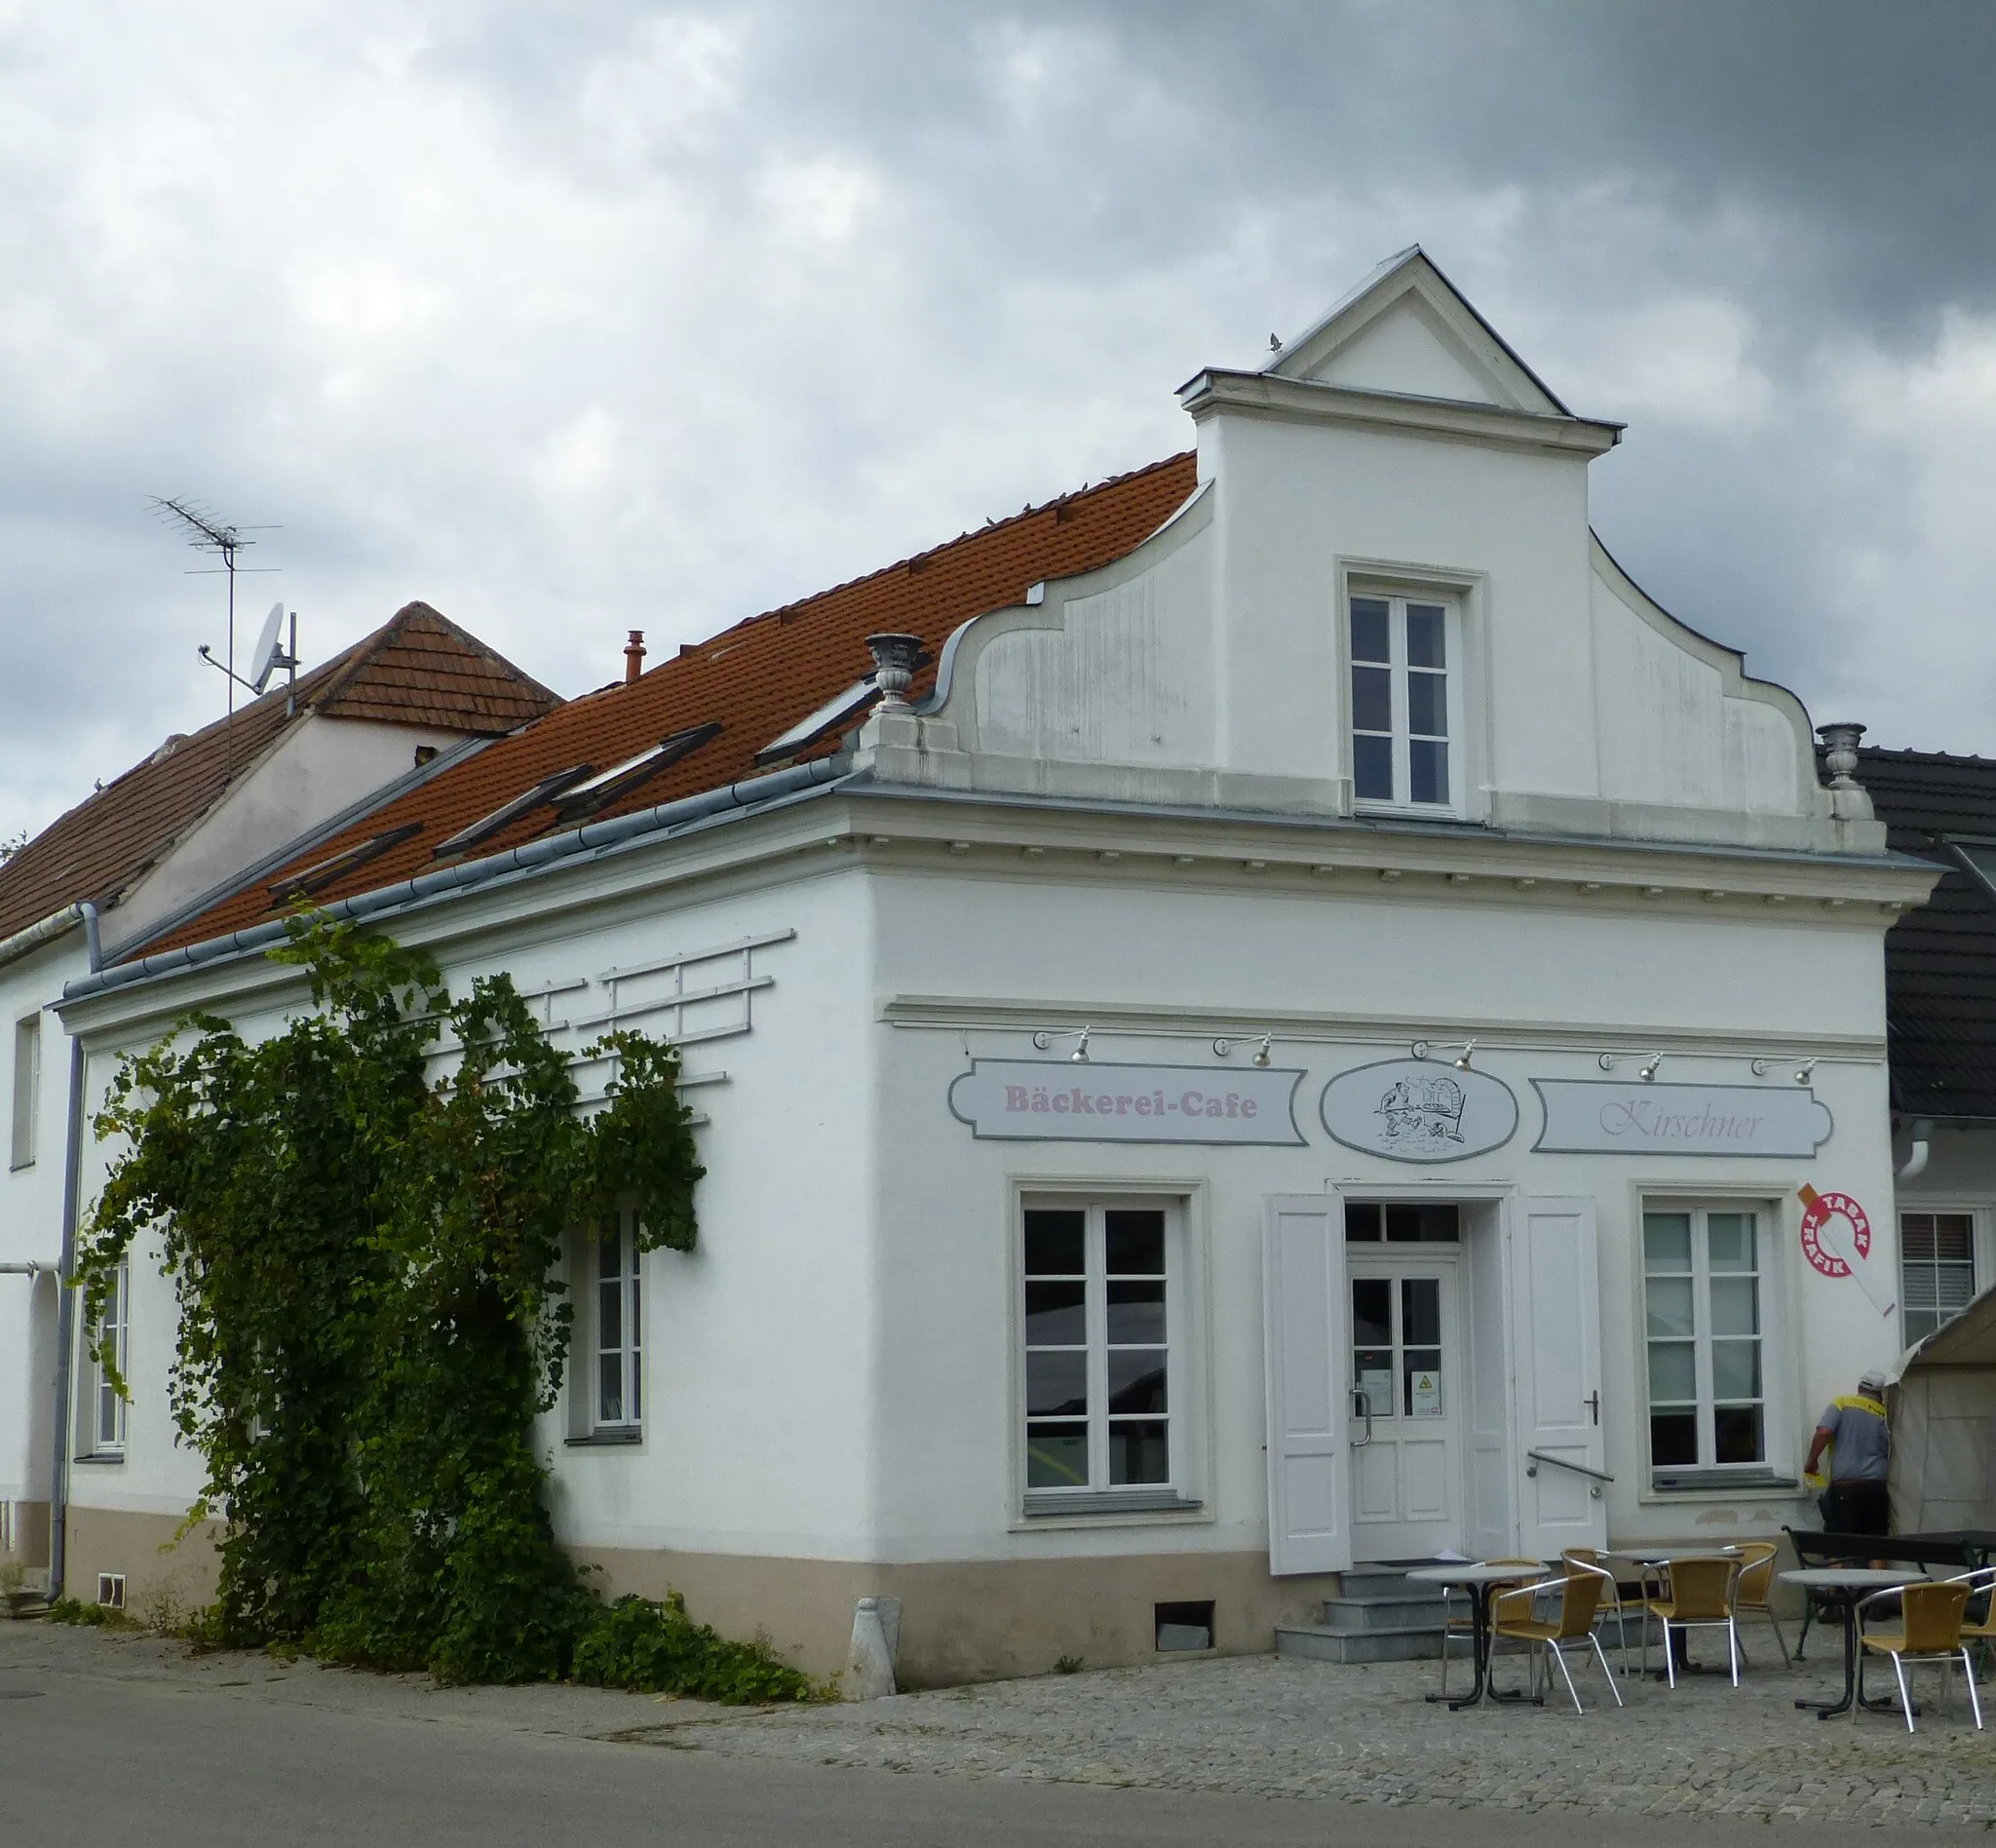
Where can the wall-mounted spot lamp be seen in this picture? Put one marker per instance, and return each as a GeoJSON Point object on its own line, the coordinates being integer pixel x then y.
{"type": "Point", "coordinates": [1803, 1075]}
{"type": "Point", "coordinates": [1043, 1041]}
{"type": "Point", "coordinates": [1261, 1052]}
{"type": "Point", "coordinates": [1462, 1058]}
{"type": "Point", "coordinates": [1648, 1074]}
{"type": "Point", "coordinates": [1080, 1053]}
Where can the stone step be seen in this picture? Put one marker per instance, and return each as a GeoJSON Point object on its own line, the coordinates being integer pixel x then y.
{"type": "Point", "coordinates": [1318, 1642]}
{"type": "Point", "coordinates": [1388, 1611]}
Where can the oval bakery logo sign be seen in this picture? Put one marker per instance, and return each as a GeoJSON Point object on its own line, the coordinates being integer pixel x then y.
{"type": "Point", "coordinates": [1409, 1111]}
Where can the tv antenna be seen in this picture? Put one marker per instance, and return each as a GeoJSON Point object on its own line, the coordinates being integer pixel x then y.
{"type": "Point", "coordinates": [209, 533]}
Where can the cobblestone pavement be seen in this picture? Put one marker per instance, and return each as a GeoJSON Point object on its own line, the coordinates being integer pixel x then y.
{"type": "Point", "coordinates": [1254, 1726]}
{"type": "Point", "coordinates": [1270, 1726]}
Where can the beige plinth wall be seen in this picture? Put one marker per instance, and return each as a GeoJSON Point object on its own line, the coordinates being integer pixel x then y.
{"type": "Point", "coordinates": [973, 1619]}
{"type": "Point", "coordinates": [160, 1578]}
{"type": "Point", "coordinates": [970, 1620]}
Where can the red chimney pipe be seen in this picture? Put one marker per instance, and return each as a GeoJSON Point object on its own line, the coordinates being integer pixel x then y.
{"type": "Point", "coordinates": [634, 655]}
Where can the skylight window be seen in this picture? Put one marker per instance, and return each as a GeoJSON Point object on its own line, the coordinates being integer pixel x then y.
{"type": "Point", "coordinates": [620, 780]}
{"type": "Point", "coordinates": [314, 879]}
{"type": "Point", "coordinates": [809, 730]}
{"type": "Point", "coordinates": [503, 816]}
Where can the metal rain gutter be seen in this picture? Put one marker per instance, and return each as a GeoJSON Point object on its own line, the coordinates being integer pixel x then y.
{"type": "Point", "coordinates": [588, 838]}
{"type": "Point", "coordinates": [34, 936]}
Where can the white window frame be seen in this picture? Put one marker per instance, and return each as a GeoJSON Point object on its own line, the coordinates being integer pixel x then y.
{"type": "Point", "coordinates": [108, 1407]}
{"type": "Point", "coordinates": [628, 1352]}
{"type": "Point", "coordinates": [1176, 1495]}
{"type": "Point", "coordinates": [28, 1086]}
{"type": "Point", "coordinates": [1981, 1257]}
{"type": "Point", "coordinates": [1397, 597]}
{"type": "Point", "coordinates": [1771, 1280]}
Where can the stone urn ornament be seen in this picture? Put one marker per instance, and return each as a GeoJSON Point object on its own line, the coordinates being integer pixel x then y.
{"type": "Point", "coordinates": [893, 667]}
{"type": "Point", "coordinates": [1840, 754]}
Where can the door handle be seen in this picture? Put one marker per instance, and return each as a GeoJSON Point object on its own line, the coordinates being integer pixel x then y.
{"type": "Point", "coordinates": [1593, 1402]}
{"type": "Point", "coordinates": [1363, 1404]}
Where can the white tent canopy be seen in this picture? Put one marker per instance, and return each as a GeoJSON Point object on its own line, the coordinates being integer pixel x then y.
{"type": "Point", "coordinates": [1943, 1426]}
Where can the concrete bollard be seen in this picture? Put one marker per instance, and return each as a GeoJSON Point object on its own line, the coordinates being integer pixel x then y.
{"type": "Point", "coordinates": [870, 1666]}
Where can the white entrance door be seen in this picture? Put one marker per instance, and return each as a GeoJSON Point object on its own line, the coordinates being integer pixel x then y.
{"type": "Point", "coordinates": [1408, 1385]}
{"type": "Point", "coordinates": [1555, 1293]}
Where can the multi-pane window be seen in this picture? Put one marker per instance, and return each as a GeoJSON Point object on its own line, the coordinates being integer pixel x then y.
{"type": "Point", "coordinates": [1098, 1394]}
{"type": "Point", "coordinates": [107, 1403]}
{"type": "Point", "coordinates": [618, 1324]}
{"type": "Point", "coordinates": [1937, 1255]}
{"type": "Point", "coordinates": [1703, 1304]}
{"type": "Point", "coordinates": [1405, 701]}
{"type": "Point", "coordinates": [28, 1084]}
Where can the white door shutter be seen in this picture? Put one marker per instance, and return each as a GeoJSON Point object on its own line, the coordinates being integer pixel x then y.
{"type": "Point", "coordinates": [1555, 1293]}
{"type": "Point", "coordinates": [1308, 1356]}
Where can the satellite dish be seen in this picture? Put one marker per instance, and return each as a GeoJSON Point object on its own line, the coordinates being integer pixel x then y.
{"type": "Point", "coordinates": [269, 654]}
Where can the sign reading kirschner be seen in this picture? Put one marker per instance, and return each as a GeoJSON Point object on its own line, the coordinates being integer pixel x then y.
{"type": "Point", "coordinates": [1042, 1100]}
{"type": "Point", "coordinates": [1586, 1117]}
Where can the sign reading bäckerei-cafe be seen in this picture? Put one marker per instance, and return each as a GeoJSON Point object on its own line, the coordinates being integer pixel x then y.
{"type": "Point", "coordinates": [1403, 1109]}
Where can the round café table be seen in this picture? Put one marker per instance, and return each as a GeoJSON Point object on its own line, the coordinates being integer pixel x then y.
{"type": "Point", "coordinates": [1854, 1581]}
{"type": "Point", "coordinates": [1480, 1581]}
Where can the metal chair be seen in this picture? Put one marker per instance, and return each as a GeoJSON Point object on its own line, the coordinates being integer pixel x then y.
{"type": "Point", "coordinates": [1464, 1626]}
{"type": "Point", "coordinates": [1929, 1631]}
{"type": "Point", "coordinates": [1589, 1558]}
{"type": "Point", "coordinates": [1753, 1589]}
{"type": "Point", "coordinates": [1980, 1629]}
{"type": "Point", "coordinates": [1514, 1614]}
{"type": "Point", "coordinates": [1700, 1598]}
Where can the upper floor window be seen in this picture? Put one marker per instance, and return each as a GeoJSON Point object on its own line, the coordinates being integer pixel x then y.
{"type": "Point", "coordinates": [28, 1082]}
{"type": "Point", "coordinates": [1407, 701]}
{"type": "Point", "coordinates": [1937, 1255]}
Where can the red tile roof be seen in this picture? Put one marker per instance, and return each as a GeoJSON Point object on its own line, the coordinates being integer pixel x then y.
{"type": "Point", "coordinates": [753, 681]}
{"type": "Point", "coordinates": [418, 669]}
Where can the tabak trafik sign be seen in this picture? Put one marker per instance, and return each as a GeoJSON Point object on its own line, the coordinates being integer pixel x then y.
{"type": "Point", "coordinates": [1047, 1100]}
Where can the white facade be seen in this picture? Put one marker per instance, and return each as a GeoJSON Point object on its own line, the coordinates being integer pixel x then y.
{"type": "Point", "coordinates": [1145, 806]}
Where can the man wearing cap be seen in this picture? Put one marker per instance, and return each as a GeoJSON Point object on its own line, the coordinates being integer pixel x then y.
{"type": "Point", "coordinates": [1854, 1432]}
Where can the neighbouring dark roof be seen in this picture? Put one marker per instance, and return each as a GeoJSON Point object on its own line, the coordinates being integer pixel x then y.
{"type": "Point", "coordinates": [417, 668]}
{"type": "Point", "coordinates": [722, 699]}
{"type": "Point", "coordinates": [1940, 959]}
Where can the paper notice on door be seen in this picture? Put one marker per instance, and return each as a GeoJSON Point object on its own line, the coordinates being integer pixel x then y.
{"type": "Point", "coordinates": [1424, 1393]}
{"type": "Point", "coordinates": [1376, 1384]}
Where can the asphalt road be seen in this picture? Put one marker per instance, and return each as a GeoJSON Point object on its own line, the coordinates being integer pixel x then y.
{"type": "Point", "coordinates": [95, 1757]}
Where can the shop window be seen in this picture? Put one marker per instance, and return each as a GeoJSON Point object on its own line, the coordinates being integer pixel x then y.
{"type": "Point", "coordinates": [617, 1327]}
{"type": "Point", "coordinates": [1407, 703]}
{"type": "Point", "coordinates": [28, 1085]}
{"type": "Point", "coordinates": [1702, 1307]}
{"type": "Point", "coordinates": [1101, 1401]}
{"type": "Point", "coordinates": [1937, 1255]}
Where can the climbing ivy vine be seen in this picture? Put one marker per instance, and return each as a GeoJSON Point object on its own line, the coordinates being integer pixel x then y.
{"type": "Point", "coordinates": [371, 1316]}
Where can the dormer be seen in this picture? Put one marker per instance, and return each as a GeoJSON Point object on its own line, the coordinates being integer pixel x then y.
{"type": "Point", "coordinates": [1384, 601]}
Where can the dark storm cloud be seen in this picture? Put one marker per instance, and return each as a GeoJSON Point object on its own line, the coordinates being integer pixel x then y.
{"type": "Point", "coordinates": [576, 318]}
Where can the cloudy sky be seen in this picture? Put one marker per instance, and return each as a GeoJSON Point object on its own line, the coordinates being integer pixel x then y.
{"type": "Point", "coordinates": [570, 319]}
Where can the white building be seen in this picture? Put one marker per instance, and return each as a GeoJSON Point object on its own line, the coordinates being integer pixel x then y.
{"type": "Point", "coordinates": [154, 845]}
{"type": "Point", "coordinates": [1339, 1031]}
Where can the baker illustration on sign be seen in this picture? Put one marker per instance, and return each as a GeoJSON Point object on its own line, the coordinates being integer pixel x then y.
{"type": "Point", "coordinates": [1836, 1239]}
{"type": "Point", "coordinates": [1422, 1112]}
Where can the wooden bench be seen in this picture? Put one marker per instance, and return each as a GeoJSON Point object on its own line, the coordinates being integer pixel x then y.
{"type": "Point", "coordinates": [1962, 1550]}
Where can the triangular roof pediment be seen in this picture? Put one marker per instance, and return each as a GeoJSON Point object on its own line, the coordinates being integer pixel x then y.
{"type": "Point", "coordinates": [1407, 331]}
